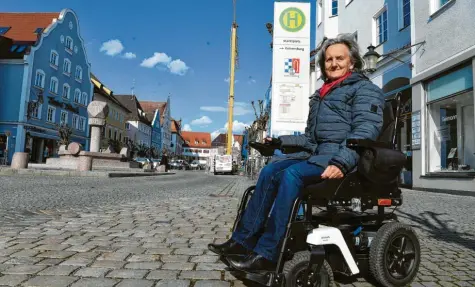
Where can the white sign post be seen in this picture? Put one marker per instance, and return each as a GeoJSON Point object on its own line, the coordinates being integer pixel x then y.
{"type": "Point", "coordinates": [290, 67]}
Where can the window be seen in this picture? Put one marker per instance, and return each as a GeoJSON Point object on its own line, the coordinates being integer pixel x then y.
{"type": "Point", "coordinates": [77, 96]}
{"type": "Point", "coordinates": [382, 27]}
{"type": "Point", "coordinates": [126, 139]}
{"type": "Point", "coordinates": [78, 75]}
{"type": "Point", "coordinates": [404, 13]}
{"type": "Point", "coordinates": [69, 44]}
{"type": "Point", "coordinates": [319, 12]}
{"type": "Point", "coordinates": [84, 99]}
{"type": "Point", "coordinates": [64, 117]}
{"type": "Point", "coordinates": [450, 122]}
{"type": "Point", "coordinates": [82, 124]}
{"type": "Point", "coordinates": [66, 89]}
{"type": "Point", "coordinates": [51, 114]}
{"type": "Point", "coordinates": [36, 113]}
{"type": "Point", "coordinates": [127, 126]}
{"type": "Point", "coordinates": [4, 30]}
{"type": "Point", "coordinates": [110, 133]}
{"type": "Point", "coordinates": [75, 121]}
{"type": "Point", "coordinates": [53, 86]}
{"type": "Point", "coordinates": [334, 8]}
{"type": "Point", "coordinates": [437, 4]}
{"type": "Point", "coordinates": [54, 58]}
{"type": "Point", "coordinates": [67, 67]}
{"type": "Point", "coordinates": [452, 134]}
{"type": "Point", "coordinates": [40, 79]}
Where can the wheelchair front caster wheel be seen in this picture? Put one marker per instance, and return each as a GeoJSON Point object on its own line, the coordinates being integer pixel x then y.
{"type": "Point", "coordinates": [395, 255]}
{"type": "Point", "coordinates": [294, 271]}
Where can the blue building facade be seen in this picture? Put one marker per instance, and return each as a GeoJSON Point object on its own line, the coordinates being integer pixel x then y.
{"type": "Point", "coordinates": [49, 87]}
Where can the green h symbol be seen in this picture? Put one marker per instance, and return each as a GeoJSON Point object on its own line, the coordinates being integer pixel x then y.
{"type": "Point", "coordinates": [292, 16]}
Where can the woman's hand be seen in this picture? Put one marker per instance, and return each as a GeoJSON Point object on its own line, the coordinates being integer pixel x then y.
{"type": "Point", "coordinates": [332, 172]}
{"type": "Point", "coordinates": [267, 140]}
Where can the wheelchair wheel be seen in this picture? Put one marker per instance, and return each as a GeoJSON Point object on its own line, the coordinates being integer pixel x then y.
{"type": "Point", "coordinates": [294, 270]}
{"type": "Point", "coordinates": [394, 255]}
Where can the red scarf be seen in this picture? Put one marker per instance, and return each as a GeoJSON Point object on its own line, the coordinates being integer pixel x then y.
{"type": "Point", "coordinates": [327, 86]}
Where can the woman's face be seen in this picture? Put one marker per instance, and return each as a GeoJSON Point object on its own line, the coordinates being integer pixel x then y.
{"type": "Point", "coordinates": [337, 61]}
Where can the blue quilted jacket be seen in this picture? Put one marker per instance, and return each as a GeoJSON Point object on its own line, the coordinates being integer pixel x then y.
{"type": "Point", "coordinates": [352, 109]}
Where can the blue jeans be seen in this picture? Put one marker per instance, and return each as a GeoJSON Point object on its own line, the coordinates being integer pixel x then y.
{"type": "Point", "coordinates": [279, 184]}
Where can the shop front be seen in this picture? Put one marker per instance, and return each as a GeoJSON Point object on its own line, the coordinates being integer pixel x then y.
{"type": "Point", "coordinates": [7, 143]}
{"type": "Point", "coordinates": [42, 143]}
{"type": "Point", "coordinates": [443, 131]}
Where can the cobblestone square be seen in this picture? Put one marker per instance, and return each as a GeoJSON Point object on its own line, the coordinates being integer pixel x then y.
{"type": "Point", "coordinates": [157, 235]}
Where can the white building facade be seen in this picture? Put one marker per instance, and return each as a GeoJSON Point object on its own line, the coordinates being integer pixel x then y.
{"type": "Point", "coordinates": [443, 101]}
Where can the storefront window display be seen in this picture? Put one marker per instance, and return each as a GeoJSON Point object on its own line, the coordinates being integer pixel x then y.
{"type": "Point", "coordinates": [451, 143]}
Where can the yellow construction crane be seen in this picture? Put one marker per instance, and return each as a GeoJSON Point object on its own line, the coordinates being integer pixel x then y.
{"type": "Point", "coordinates": [229, 137]}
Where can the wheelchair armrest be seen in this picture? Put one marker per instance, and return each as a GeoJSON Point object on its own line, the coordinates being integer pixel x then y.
{"type": "Point", "coordinates": [366, 143]}
{"type": "Point", "coordinates": [264, 149]}
{"type": "Point", "coordinates": [287, 149]}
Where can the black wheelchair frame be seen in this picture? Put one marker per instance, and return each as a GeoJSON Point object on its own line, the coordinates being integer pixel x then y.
{"type": "Point", "coordinates": [359, 228]}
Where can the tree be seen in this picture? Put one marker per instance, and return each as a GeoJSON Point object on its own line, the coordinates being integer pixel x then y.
{"type": "Point", "coordinates": [64, 134]}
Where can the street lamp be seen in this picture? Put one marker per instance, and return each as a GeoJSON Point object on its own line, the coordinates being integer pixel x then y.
{"type": "Point", "coordinates": [371, 58]}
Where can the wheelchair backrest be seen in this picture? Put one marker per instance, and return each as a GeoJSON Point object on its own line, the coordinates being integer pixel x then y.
{"type": "Point", "coordinates": [390, 116]}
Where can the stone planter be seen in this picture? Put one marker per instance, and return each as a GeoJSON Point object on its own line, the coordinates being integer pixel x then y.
{"type": "Point", "coordinates": [85, 163]}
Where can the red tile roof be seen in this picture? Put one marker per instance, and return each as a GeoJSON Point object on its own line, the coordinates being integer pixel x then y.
{"type": "Point", "coordinates": [150, 107]}
{"type": "Point", "coordinates": [176, 126]}
{"type": "Point", "coordinates": [23, 25]}
{"type": "Point", "coordinates": [203, 139]}
{"type": "Point", "coordinates": [220, 140]}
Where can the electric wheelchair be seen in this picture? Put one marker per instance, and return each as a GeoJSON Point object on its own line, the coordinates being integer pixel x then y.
{"type": "Point", "coordinates": [353, 233]}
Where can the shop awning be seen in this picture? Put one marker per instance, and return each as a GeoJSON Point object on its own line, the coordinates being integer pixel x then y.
{"type": "Point", "coordinates": [43, 135]}
{"type": "Point", "coordinates": [395, 91]}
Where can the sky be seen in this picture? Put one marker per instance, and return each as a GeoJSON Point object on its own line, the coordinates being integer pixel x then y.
{"type": "Point", "coordinates": [179, 48]}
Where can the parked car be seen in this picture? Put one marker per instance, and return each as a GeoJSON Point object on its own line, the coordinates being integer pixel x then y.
{"type": "Point", "coordinates": [195, 164]}
{"type": "Point", "coordinates": [179, 164]}
{"type": "Point", "coordinates": [142, 161]}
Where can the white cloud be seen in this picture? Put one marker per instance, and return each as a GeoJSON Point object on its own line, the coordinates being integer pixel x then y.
{"type": "Point", "coordinates": [204, 120]}
{"type": "Point", "coordinates": [213, 109]}
{"type": "Point", "coordinates": [228, 79]}
{"type": "Point", "coordinates": [157, 58]}
{"type": "Point", "coordinates": [240, 108]}
{"type": "Point", "coordinates": [238, 128]}
{"type": "Point", "coordinates": [178, 67]}
{"type": "Point", "coordinates": [251, 81]}
{"type": "Point", "coordinates": [186, 128]}
{"type": "Point", "coordinates": [130, 55]}
{"type": "Point", "coordinates": [112, 47]}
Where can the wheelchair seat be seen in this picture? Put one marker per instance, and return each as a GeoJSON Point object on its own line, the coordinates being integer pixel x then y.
{"type": "Point", "coordinates": [374, 181]}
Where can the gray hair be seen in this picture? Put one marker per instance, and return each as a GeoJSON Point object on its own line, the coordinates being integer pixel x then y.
{"type": "Point", "coordinates": [349, 41]}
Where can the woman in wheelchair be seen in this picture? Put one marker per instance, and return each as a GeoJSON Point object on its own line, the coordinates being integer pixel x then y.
{"type": "Point", "coordinates": [347, 106]}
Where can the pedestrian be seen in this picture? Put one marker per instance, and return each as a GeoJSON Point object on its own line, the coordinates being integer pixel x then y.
{"type": "Point", "coordinates": [164, 161]}
{"type": "Point", "coordinates": [348, 105]}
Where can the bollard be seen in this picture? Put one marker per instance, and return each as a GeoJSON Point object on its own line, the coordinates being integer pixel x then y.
{"type": "Point", "coordinates": [20, 160]}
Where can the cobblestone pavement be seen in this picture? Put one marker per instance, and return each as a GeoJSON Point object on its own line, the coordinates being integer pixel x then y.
{"type": "Point", "coordinates": [154, 232]}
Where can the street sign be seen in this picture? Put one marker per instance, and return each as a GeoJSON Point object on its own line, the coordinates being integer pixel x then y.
{"type": "Point", "coordinates": [290, 67]}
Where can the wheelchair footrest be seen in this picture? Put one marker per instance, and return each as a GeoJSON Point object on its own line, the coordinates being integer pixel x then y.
{"type": "Point", "coordinates": [266, 278]}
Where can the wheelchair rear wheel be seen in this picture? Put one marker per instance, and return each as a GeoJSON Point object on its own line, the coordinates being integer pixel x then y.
{"type": "Point", "coordinates": [394, 256]}
{"type": "Point", "coordinates": [294, 271]}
